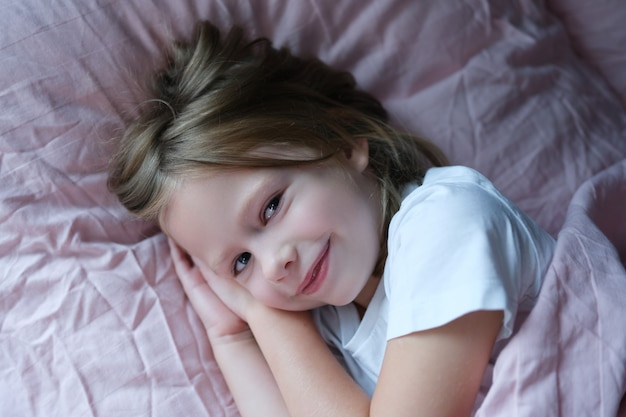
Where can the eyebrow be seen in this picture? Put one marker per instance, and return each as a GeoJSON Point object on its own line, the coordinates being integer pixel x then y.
{"type": "Point", "coordinates": [251, 200]}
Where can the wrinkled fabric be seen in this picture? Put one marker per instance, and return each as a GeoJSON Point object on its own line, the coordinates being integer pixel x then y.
{"type": "Point", "coordinates": [569, 357]}
{"type": "Point", "coordinates": [93, 321]}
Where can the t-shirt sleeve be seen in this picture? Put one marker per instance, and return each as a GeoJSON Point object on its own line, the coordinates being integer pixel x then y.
{"type": "Point", "coordinates": [454, 250]}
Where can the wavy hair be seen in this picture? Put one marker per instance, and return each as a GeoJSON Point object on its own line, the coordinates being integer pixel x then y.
{"type": "Point", "coordinates": [221, 97]}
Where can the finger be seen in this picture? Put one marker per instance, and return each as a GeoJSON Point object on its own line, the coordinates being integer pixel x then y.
{"type": "Point", "coordinates": [179, 256]}
{"type": "Point", "coordinates": [202, 298]}
{"type": "Point", "coordinates": [183, 265]}
{"type": "Point", "coordinates": [211, 310]}
{"type": "Point", "coordinates": [231, 293]}
{"type": "Point", "coordinates": [189, 276]}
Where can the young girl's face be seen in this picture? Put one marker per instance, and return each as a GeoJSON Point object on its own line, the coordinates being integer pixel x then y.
{"type": "Point", "coordinates": [296, 237]}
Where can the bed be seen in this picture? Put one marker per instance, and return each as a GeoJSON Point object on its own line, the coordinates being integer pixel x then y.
{"type": "Point", "coordinates": [532, 93]}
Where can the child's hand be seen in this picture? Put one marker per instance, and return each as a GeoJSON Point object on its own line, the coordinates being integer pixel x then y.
{"type": "Point", "coordinates": [234, 295]}
{"type": "Point", "coordinates": [218, 319]}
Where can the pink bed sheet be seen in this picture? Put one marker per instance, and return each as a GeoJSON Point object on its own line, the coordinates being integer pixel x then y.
{"type": "Point", "coordinates": [569, 357]}
{"type": "Point", "coordinates": [93, 321]}
{"type": "Point", "coordinates": [597, 34]}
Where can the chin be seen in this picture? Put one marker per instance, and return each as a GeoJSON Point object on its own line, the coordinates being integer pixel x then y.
{"type": "Point", "coordinates": [295, 307]}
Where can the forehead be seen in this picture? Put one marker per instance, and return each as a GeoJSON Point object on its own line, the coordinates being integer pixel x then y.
{"type": "Point", "coordinates": [206, 213]}
{"type": "Point", "coordinates": [205, 203]}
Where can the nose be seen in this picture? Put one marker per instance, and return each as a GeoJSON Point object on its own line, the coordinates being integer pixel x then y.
{"type": "Point", "coordinates": [278, 260]}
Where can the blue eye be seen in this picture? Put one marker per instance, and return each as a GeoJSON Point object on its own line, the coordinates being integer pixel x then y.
{"type": "Point", "coordinates": [241, 262]}
{"type": "Point", "coordinates": [271, 208]}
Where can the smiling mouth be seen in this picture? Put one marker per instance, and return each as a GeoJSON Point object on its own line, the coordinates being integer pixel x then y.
{"type": "Point", "coordinates": [317, 274]}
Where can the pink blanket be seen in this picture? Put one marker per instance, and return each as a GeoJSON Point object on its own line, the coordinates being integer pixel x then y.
{"type": "Point", "coordinates": [93, 321]}
{"type": "Point", "coordinates": [569, 357]}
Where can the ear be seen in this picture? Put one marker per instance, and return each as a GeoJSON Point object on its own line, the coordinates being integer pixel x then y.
{"type": "Point", "coordinates": [358, 156]}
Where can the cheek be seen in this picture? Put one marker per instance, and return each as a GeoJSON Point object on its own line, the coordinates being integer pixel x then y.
{"type": "Point", "coordinates": [310, 215]}
{"type": "Point", "coordinates": [327, 206]}
{"type": "Point", "coordinates": [265, 294]}
{"type": "Point", "coordinates": [271, 297]}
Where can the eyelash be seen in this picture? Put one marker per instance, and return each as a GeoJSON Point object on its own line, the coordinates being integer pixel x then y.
{"type": "Point", "coordinates": [244, 257]}
{"type": "Point", "coordinates": [273, 204]}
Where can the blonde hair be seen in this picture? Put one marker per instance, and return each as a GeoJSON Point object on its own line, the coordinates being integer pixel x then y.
{"type": "Point", "coordinates": [220, 98]}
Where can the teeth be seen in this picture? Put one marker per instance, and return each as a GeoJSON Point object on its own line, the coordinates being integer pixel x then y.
{"type": "Point", "coordinates": [315, 271]}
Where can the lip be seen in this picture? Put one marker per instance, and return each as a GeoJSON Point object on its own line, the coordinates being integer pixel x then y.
{"type": "Point", "coordinates": [317, 274]}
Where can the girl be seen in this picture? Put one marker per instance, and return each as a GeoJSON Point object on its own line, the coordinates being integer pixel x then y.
{"type": "Point", "coordinates": [298, 219]}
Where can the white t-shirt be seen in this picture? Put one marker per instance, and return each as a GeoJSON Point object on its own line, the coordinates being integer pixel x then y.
{"type": "Point", "coordinates": [456, 245]}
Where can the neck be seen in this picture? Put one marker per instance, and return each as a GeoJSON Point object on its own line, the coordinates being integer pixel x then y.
{"type": "Point", "coordinates": [366, 294]}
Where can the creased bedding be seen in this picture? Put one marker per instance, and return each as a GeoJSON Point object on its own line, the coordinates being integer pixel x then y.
{"type": "Point", "coordinates": [93, 321]}
{"type": "Point", "coordinates": [569, 357]}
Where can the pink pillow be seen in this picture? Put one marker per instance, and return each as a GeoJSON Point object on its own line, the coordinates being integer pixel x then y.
{"type": "Point", "coordinates": [93, 318]}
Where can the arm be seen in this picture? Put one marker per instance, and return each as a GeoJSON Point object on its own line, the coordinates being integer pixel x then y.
{"type": "Point", "coordinates": [312, 381]}
{"type": "Point", "coordinates": [437, 372]}
{"type": "Point", "coordinates": [248, 377]}
{"type": "Point", "coordinates": [244, 368]}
